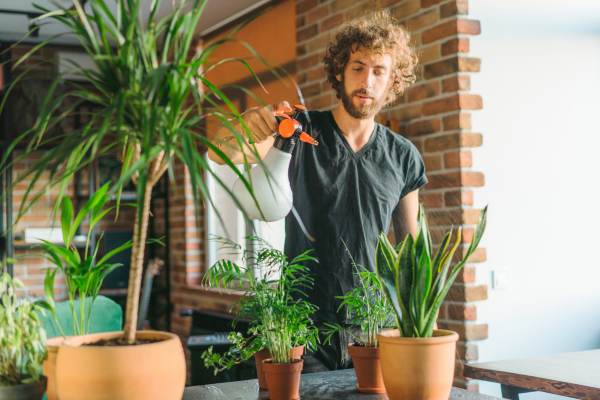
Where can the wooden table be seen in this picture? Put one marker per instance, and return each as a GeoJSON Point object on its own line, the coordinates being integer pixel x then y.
{"type": "Point", "coordinates": [321, 385]}
{"type": "Point", "coordinates": [575, 375]}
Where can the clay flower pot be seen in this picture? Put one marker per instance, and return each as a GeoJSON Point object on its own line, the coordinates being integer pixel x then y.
{"type": "Point", "coordinates": [417, 368]}
{"type": "Point", "coordinates": [49, 366]}
{"type": "Point", "coordinates": [25, 391]}
{"type": "Point", "coordinates": [262, 355]}
{"type": "Point", "coordinates": [154, 371]}
{"type": "Point", "coordinates": [283, 379]}
{"type": "Point", "coordinates": [367, 368]}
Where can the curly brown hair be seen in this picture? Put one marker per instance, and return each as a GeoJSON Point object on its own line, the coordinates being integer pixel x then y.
{"type": "Point", "coordinates": [379, 33]}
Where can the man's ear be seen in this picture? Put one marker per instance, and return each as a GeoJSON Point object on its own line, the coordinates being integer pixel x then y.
{"type": "Point", "coordinates": [338, 77]}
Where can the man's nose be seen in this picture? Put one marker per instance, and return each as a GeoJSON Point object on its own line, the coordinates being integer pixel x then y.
{"type": "Point", "coordinates": [366, 79]}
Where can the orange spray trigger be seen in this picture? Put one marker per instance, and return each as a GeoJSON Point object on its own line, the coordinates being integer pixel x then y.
{"type": "Point", "coordinates": [287, 128]}
{"type": "Point", "coordinates": [305, 137]}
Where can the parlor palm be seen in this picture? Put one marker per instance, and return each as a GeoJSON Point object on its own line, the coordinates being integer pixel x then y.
{"type": "Point", "coordinates": [146, 88]}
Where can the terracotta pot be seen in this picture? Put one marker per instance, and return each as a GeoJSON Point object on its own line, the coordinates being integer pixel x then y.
{"type": "Point", "coordinates": [367, 368]}
{"type": "Point", "coordinates": [417, 368]}
{"type": "Point", "coordinates": [262, 355]}
{"type": "Point", "coordinates": [25, 391]}
{"type": "Point", "coordinates": [283, 379]}
{"type": "Point", "coordinates": [49, 366]}
{"type": "Point", "coordinates": [154, 371]}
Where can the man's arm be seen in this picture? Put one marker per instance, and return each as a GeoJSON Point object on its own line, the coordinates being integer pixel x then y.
{"type": "Point", "coordinates": [262, 124]}
{"type": "Point", "coordinates": [405, 216]}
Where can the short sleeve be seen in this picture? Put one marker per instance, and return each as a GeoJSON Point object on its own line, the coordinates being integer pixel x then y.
{"type": "Point", "coordinates": [414, 171]}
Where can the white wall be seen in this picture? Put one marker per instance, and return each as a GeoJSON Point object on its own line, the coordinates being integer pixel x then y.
{"type": "Point", "coordinates": [540, 83]}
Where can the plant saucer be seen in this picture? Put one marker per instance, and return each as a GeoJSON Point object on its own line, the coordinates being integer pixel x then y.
{"type": "Point", "coordinates": [369, 390]}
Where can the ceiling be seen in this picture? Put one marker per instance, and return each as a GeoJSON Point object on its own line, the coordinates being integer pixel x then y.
{"type": "Point", "coordinates": [216, 14]}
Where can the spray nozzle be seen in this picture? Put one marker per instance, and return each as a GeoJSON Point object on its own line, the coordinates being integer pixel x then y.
{"type": "Point", "coordinates": [291, 128]}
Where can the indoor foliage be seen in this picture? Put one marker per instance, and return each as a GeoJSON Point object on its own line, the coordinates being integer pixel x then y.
{"type": "Point", "coordinates": [416, 283]}
{"type": "Point", "coordinates": [146, 88]}
{"type": "Point", "coordinates": [22, 337]}
{"type": "Point", "coordinates": [268, 281]}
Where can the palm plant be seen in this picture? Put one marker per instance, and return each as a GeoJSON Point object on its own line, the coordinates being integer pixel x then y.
{"type": "Point", "coordinates": [147, 86]}
{"type": "Point", "coordinates": [366, 306]}
{"type": "Point", "coordinates": [414, 282]}
{"type": "Point", "coordinates": [280, 322]}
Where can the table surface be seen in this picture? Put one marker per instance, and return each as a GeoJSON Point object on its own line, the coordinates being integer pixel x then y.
{"type": "Point", "coordinates": [575, 375]}
{"type": "Point", "coordinates": [321, 385]}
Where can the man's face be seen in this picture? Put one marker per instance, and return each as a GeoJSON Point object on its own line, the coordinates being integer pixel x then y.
{"type": "Point", "coordinates": [366, 81]}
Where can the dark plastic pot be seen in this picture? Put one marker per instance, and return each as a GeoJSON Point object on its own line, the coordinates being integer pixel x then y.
{"type": "Point", "coordinates": [26, 391]}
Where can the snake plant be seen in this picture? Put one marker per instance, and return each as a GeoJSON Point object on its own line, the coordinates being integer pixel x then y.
{"type": "Point", "coordinates": [416, 281]}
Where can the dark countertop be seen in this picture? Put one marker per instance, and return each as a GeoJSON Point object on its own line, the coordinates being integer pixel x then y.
{"type": "Point", "coordinates": [322, 385]}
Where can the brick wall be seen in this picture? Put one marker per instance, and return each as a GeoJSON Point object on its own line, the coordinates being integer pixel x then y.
{"type": "Point", "coordinates": [434, 114]}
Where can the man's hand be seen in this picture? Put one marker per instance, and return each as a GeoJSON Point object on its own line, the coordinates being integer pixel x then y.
{"type": "Point", "coordinates": [262, 125]}
{"type": "Point", "coordinates": [262, 122]}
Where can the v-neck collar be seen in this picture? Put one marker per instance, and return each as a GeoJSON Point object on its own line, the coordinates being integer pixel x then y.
{"type": "Point", "coordinates": [342, 137]}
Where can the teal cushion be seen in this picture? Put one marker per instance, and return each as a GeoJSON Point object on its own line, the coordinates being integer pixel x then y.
{"type": "Point", "coordinates": [107, 316]}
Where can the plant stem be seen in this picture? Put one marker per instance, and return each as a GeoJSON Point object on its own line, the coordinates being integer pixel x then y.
{"type": "Point", "coordinates": [137, 265]}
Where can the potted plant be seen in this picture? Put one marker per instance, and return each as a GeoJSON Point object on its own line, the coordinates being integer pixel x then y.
{"type": "Point", "coordinates": [83, 275]}
{"type": "Point", "coordinates": [146, 86]}
{"type": "Point", "coordinates": [367, 308]}
{"type": "Point", "coordinates": [417, 362]}
{"type": "Point", "coordinates": [22, 344]}
{"type": "Point", "coordinates": [281, 327]}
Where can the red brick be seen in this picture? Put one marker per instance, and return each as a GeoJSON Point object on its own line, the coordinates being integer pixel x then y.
{"type": "Point", "coordinates": [451, 66]}
{"type": "Point", "coordinates": [317, 13]}
{"type": "Point", "coordinates": [359, 10]}
{"type": "Point", "coordinates": [420, 92]}
{"type": "Point", "coordinates": [457, 121]}
{"type": "Point", "coordinates": [429, 3]}
{"type": "Point", "coordinates": [332, 22]}
{"type": "Point", "coordinates": [405, 9]}
{"type": "Point", "coordinates": [459, 7]}
{"type": "Point", "coordinates": [466, 275]}
{"type": "Point", "coordinates": [466, 332]}
{"type": "Point", "coordinates": [478, 256]}
{"type": "Point", "coordinates": [458, 159]}
{"type": "Point", "coordinates": [300, 21]}
{"type": "Point", "coordinates": [307, 33]}
{"type": "Point", "coordinates": [446, 180]}
{"type": "Point", "coordinates": [456, 83]}
{"type": "Point", "coordinates": [431, 200]}
{"type": "Point", "coordinates": [337, 5]}
{"type": "Point", "coordinates": [427, 18]}
{"type": "Point", "coordinates": [453, 141]}
{"type": "Point", "coordinates": [305, 5]}
{"type": "Point", "coordinates": [453, 103]}
{"type": "Point", "coordinates": [424, 127]}
{"type": "Point", "coordinates": [462, 312]}
{"type": "Point", "coordinates": [307, 62]}
{"type": "Point", "coordinates": [450, 28]}
{"type": "Point", "coordinates": [471, 178]}
{"type": "Point", "coordinates": [455, 45]}
{"type": "Point", "coordinates": [464, 293]}
{"type": "Point", "coordinates": [467, 352]}
{"type": "Point", "coordinates": [432, 163]}
{"type": "Point", "coordinates": [316, 74]}
{"type": "Point", "coordinates": [406, 113]}
{"type": "Point", "coordinates": [318, 43]}
{"type": "Point", "coordinates": [300, 50]}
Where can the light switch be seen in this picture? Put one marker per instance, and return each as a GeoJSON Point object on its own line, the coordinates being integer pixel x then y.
{"type": "Point", "coordinates": [499, 279]}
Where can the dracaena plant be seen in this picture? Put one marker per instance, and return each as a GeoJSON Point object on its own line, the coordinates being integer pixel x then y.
{"type": "Point", "coordinates": [366, 307]}
{"type": "Point", "coordinates": [416, 281]}
{"type": "Point", "coordinates": [22, 337]}
{"type": "Point", "coordinates": [83, 275]}
{"type": "Point", "coordinates": [279, 322]}
{"type": "Point", "coordinates": [147, 87]}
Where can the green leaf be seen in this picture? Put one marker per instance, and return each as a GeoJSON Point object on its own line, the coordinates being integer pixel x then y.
{"type": "Point", "coordinates": [65, 219]}
{"type": "Point", "coordinates": [387, 272]}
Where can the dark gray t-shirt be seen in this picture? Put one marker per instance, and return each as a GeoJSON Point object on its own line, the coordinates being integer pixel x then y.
{"type": "Point", "coordinates": [340, 194]}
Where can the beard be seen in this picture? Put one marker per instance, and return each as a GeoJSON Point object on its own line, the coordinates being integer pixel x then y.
{"type": "Point", "coordinates": [361, 111]}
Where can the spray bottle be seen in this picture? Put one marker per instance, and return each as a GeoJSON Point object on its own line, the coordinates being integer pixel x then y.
{"type": "Point", "coordinates": [272, 189]}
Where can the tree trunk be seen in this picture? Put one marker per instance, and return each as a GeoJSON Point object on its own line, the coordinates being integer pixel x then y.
{"type": "Point", "coordinates": [137, 265]}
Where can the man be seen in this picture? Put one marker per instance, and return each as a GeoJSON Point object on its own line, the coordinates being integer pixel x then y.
{"type": "Point", "coordinates": [361, 177]}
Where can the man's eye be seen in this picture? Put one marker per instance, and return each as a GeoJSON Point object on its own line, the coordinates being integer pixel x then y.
{"type": "Point", "coordinates": [358, 69]}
